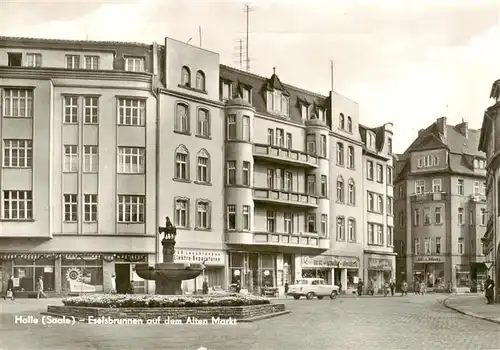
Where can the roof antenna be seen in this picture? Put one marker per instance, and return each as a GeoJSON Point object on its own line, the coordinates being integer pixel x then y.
{"type": "Point", "coordinates": [274, 70]}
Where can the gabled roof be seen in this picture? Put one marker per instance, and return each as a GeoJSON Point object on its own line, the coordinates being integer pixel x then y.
{"type": "Point", "coordinates": [274, 83]}
{"type": "Point", "coordinates": [379, 135]}
{"type": "Point", "coordinates": [495, 89]}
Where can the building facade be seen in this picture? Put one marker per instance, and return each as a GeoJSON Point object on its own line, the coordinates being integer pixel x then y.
{"type": "Point", "coordinates": [489, 144]}
{"type": "Point", "coordinates": [441, 208]}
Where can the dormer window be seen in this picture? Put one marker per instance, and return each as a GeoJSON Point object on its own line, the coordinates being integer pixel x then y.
{"type": "Point", "coordinates": [277, 102]}
{"type": "Point", "coordinates": [226, 90]}
{"type": "Point", "coordinates": [370, 139]}
{"type": "Point", "coordinates": [321, 114]}
{"type": "Point", "coordinates": [246, 94]}
{"type": "Point", "coordinates": [341, 121]}
{"type": "Point", "coordinates": [304, 111]}
{"type": "Point", "coordinates": [134, 64]}
{"type": "Point", "coordinates": [15, 59]}
{"type": "Point", "coordinates": [185, 76]}
{"type": "Point", "coordinates": [389, 145]}
{"type": "Point", "coordinates": [200, 80]}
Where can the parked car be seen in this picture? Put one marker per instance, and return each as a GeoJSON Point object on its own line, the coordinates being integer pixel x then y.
{"type": "Point", "coordinates": [313, 287]}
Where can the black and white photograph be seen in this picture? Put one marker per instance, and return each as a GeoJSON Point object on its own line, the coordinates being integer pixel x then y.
{"type": "Point", "coordinates": [249, 175]}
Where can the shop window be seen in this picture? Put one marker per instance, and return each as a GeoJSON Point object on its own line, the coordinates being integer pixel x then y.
{"type": "Point", "coordinates": [27, 272]}
{"type": "Point", "coordinates": [82, 275]}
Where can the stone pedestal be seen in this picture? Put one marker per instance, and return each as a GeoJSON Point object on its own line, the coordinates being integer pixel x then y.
{"type": "Point", "coordinates": [168, 287]}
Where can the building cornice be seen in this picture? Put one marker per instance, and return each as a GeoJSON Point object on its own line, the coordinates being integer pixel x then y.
{"type": "Point", "coordinates": [191, 98]}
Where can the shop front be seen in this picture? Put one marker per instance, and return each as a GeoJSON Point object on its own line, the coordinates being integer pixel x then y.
{"type": "Point", "coordinates": [430, 270]}
{"type": "Point", "coordinates": [462, 276]}
{"type": "Point", "coordinates": [214, 274]}
{"type": "Point", "coordinates": [380, 270]}
{"type": "Point", "coordinates": [339, 270]}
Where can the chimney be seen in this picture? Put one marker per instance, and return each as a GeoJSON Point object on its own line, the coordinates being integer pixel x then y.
{"type": "Point", "coordinates": [420, 132]}
{"type": "Point", "coordinates": [441, 124]}
{"type": "Point", "coordinates": [463, 128]}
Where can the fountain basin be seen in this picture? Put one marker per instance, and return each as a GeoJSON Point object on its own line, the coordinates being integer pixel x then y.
{"type": "Point", "coordinates": [169, 271]}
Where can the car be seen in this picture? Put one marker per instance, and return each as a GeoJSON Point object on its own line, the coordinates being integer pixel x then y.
{"type": "Point", "coordinates": [312, 287]}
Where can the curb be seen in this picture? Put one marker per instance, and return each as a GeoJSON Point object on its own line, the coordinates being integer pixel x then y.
{"type": "Point", "coordinates": [467, 313]}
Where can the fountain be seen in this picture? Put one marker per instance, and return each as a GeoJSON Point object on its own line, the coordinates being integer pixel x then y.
{"type": "Point", "coordinates": [169, 275]}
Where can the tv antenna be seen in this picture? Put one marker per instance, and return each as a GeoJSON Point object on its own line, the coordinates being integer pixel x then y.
{"type": "Point", "coordinates": [239, 53]}
{"type": "Point", "coordinates": [248, 9]}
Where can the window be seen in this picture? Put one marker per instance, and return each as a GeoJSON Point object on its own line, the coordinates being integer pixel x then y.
{"type": "Point", "coordinates": [203, 173]}
{"type": "Point", "coordinates": [72, 62]}
{"type": "Point", "coordinates": [401, 191]}
{"type": "Point", "coordinates": [90, 159]}
{"type": "Point", "coordinates": [270, 137]}
{"type": "Point", "coordinates": [340, 229]}
{"type": "Point", "coordinates": [438, 245]}
{"type": "Point", "coordinates": [311, 223]}
{"type": "Point", "coordinates": [351, 230]}
{"type": "Point", "coordinates": [380, 204]}
{"type": "Point", "coordinates": [131, 209]}
{"type": "Point", "coordinates": [370, 139]}
{"type": "Point", "coordinates": [341, 121]}
{"type": "Point", "coordinates": [324, 225]}
{"type": "Point", "coordinates": [181, 118]}
{"type": "Point", "coordinates": [437, 215]}
{"type": "Point", "coordinates": [380, 173]}
{"type": "Point", "coordinates": [17, 153]}
{"type": "Point", "coordinates": [277, 102]}
{"type": "Point", "coordinates": [131, 160]}
{"type": "Point", "coordinates": [203, 215]}
{"type": "Point", "coordinates": [324, 186]}
{"type": "Point", "coordinates": [89, 208]}
{"type": "Point", "coordinates": [17, 205]}
{"type": "Point", "coordinates": [90, 110]}
{"type": "Point", "coordinates": [70, 158]}
{"type": "Point", "coordinates": [18, 103]}
{"type": "Point", "coordinates": [460, 216]}
{"type": "Point", "coordinates": [371, 201]}
{"type": "Point", "coordinates": [33, 60]}
{"type": "Point", "coordinates": [270, 178]}
{"type": "Point", "coordinates": [483, 217]}
{"type": "Point", "coordinates": [279, 179]}
{"type": "Point", "coordinates": [245, 174]}
{"type": "Point", "coordinates": [181, 163]}
{"type": "Point", "coordinates": [389, 145]}
{"type": "Point", "coordinates": [246, 94]}
{"type": "Point", "coordinates": [91, 62]}
{"type": "Point", "coordinates": [289, 141]}
{"type": "Point", "coordinates": [427, 216]}
{"type": "Point", "coordinates": [246, 217]}
{"type": "Point", "coordinates": [390, 205]}
{"type": "Point", "coordinates": [311, 144]}
{"type": "Point", "coordinates": [460, 246]}
{"type": "Point", "coordinates": [231, 217]}
{"type": "Point", "coordinates": [483, 188]}
{"type": "Point", "coordinates": [389, 175]}
{"type": "Point", "coordinates": [476, 188]}
{"type": "Point", "coordinates": [436, 185]}
{"type": "Point", "coordinates": [351, 198]}
{"type": "Point", "coordinates": [420, 186]}
{"type": "Point", "coordinates": [134, 64]}
{"type": "Point", "coordinates": [304, 111]}
{"type": "Point", "coordinates": [322, 145]}
{"type": "Point", "coordinates": [200, 80]}
{"type": "Point", "coordinates": [349, 124]}
{"type": "Point", "coordinates": [460, 187]}
{"type": "Point", "coordinates": [401, 219]}
{"type": "Point", "coordinates": [289, 181]}
{"type": "Point", "coordinates": [70, 110]}
{"type": "Point", "coordinates": [15, 59]}
{"type": "Point", "coordinates": [181, 212]}
{"type": "Point", "coordinates": [417, 217]}
{"type": "Point", "coordinates": [231, 127]}
{"type": "Point", "coordinates": [226, 90]}
{"type": "Point", "coordinates": [369, 170]}
{"type": "Point", "coordinates": [340, 154]}
{"type": "Point", "coordinates": [350, 157]}
{"type": "Point", "coordinates": [340, 189]}
{"type": "Point", "coordinates": [271, 221]}
{"type": "Point", "coordinates": [371, 233]}
{"type": "Point", "coordinates": [416, 246]}
{"type": "Point", "coordinates": [380, 234]}
{"type": "Point", "coordinates": [471, 218]}
{"type": "Point", "coordinates": [246, 128]}
{"type": "Point", "coordinates": [288, 220]}
{"type": "Point", "coordinates": [311, 184]}
{"type": "Point", "coordinates": [203, 123]}
{"type": "Point", "coordinates": [280, 138]}
{"type": "Point", "coordinates": [132, 112]}
{"type": "Point", "coordinates": [427, 245]}
{"type": "Point", "coordinates": [231, 172]}
{"type": "Point", "coordinates": [390, 236]}
{"type": "Point", "coordinates": [321, 114]}
{"type": "Point", "coordinates": [70, 208]}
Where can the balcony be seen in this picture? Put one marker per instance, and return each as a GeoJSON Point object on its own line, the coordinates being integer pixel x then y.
{"type": "Point", "coordinates": [298, 240]}
{"type": "Point", "coordinates": [277, 197]}
{"type": "Point", "coordinates": [478, 198]}
{"type": "Point", "coordinates": [277, 154]}
{"type": "Point", "coordinates": [429, 197]}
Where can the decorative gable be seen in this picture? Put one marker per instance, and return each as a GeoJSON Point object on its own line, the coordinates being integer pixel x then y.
{"type": "Point", "coordinates": [430, 141]}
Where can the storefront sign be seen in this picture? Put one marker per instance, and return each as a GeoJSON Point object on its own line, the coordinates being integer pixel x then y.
{"type": "Point", "coordinates": [208, 257]}
{"type": "Point", "coordinates": [325, 261]}
{"type": "Point", "coordinates": [429, 259]}
{"type": "Point", "coordinates": [379, 264]}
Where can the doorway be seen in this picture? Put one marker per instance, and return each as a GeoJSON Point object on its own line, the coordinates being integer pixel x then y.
{"type": "Point", "coordinates": [122, 272]}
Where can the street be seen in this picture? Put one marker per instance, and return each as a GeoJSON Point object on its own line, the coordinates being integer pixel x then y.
{"type": "Point", "coordinates": [413, 322]}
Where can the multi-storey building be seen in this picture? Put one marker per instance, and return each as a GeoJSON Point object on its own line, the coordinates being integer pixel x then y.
{"type": "Point", "coordinates": [490, 144]}
{"type": "Point", "coordinates": [264, 181]}
{"type": "Point", "coordinates": [441, 208]}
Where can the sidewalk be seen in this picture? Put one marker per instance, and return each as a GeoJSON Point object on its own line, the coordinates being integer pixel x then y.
{"type": "Point", "coordinates": [474, 306]}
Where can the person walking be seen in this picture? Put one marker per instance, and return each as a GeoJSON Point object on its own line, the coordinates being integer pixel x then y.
{"type": "Point", "coordinates": [9, 294]}
{"type": "Point", "coordinates": [286, 289]}
{"type": "Point", "coordinates": [404, 288]}
{"type": "Point", "coordinates": [416, 287]}
{"type": "Point", "coordinates": [360, 287]}
{"type": "Point", "coordinates": [489, 290]}
{"type": "Point", "coordinates": [340, 287]}
{"type": "Point", "coordinates": [131, 287]}
{"type": "Point", "coordinates": [422, 288]}
{"type": "Point", "coordinates": [392, 285]}
{"type": "Point", "coordinates": [39, 288]}
{"type": "Point", "coordinates": [113, 284]}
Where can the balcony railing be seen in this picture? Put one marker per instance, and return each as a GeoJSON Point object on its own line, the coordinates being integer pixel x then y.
{"type": "Point", "coordinates": [477, 198]}
{"type": "Point", "coordinates": [299, 240]}
{"type": "Point", "coordinates": [429, 197]}
{"type": "Point", "coordinates": [284, 198]}
{"type": "Point", "coordinates": [284, 155]}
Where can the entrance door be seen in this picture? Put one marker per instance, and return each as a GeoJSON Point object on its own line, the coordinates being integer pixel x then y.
{"type": "Point", "coordinates": [338, 277]}
{"type": "Point", "coordinates": [122, 272]}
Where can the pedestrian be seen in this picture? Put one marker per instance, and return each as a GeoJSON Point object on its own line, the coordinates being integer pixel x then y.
{"type": "Point", "coordinates": [39, 288]}
{"type": "Point", "coordinates": [489, 290]}
{"type": "Point", "coordinates": [286, 288]}
{"type": "Point", "coordinates": [204, 287]}
{"type": "Point", "coordinates": [422, 288]}
{"type": "Point", "coordinates": [404, 288]}
{"type": "Point", "coordinates": [416, 287]}
{"type": "Point", "coordinates": [392, 285]}
{"type": "Point", "coordinates": [360, 287]}
{"type": "Point", "coordinates": [131, 287]}
{"type": "Point", "coordinates": [340, 287]}
{"type": "Point", "coordinates": [9, 294]}
{"type": "Point", "coordinates": [113, 284]}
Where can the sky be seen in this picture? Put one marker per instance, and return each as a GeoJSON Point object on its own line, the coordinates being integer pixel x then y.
{"type": "Point", "coordinates": [405, 62]}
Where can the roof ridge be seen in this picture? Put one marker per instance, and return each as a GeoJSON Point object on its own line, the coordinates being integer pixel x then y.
{"type": "Point", "coordinates": [48, 40]}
